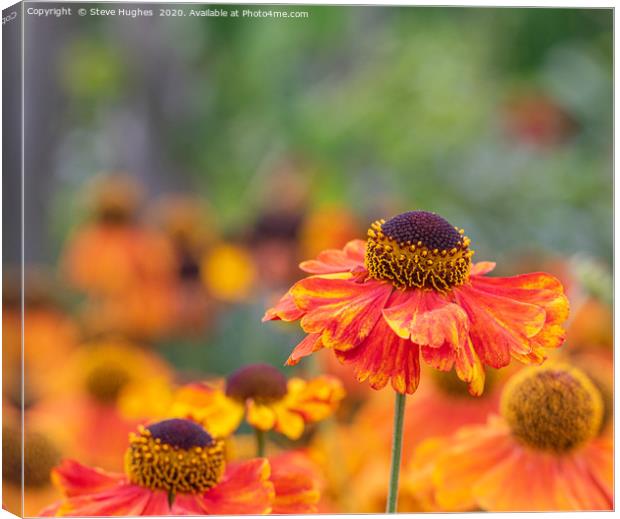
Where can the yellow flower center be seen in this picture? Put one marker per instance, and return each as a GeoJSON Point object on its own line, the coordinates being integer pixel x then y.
{"type": "Point", "coordinates": [261, 382]}
{"type": "Point", "coordinates": [40, 457]}
{"type": "Point", "coordinates": [105, 381]}
{"type": "Point", "coordinates": [176, 456]}
{"type": "Point", "coordinates": [555, 409]}
{"type": "Point", "coordinates": [418, 249]}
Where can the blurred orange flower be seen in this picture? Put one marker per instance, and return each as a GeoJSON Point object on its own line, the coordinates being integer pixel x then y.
{"type": "Point", "coordinates": [50, 335]}
{"type": "Point", "coordinates": [264, 396]}
{"type": "Point", "coordinates": [328, 227]}
{"type": "Point", "coordinates": [114, 251]}
{"type": "Point", "coordinates": [100, 399]}
{"type": "Point", "coordinates": [591, 326]}
{"type": "Point", "coordinates": [544, 453]}
{"type": "Point", "coordinates": [411, 289]}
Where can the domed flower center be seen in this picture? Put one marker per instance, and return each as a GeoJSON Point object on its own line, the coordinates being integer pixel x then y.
{"type": "Point", "coordinates": [260, 382]}
{"type": "Point", "coordinates": [555, 409]}
{"type": "Point", "coordinates": [105, 381]}
{"type": "Point", "coordinates": [176, 455]}
{"type": "Point", "coordinates": [40, 457]}
{"type": "Point", "coordinates": [418, 249]}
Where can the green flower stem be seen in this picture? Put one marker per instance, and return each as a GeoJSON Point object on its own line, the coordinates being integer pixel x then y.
{"type": "Point", "coordinates": [260, 443]}
{"type": "Point", "coordinates": [397, 447]}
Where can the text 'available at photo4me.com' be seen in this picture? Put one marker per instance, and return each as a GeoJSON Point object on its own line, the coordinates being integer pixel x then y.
{"type": "Point", "coordinates": [160, 10]}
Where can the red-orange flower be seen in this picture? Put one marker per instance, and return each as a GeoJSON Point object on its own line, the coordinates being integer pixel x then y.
{"type": "Point", "coordinates": [172, 467]}
{"type": "Point", "coordinates": [546, 452]}
{"type": "Point", "coordinates": [412, 289]}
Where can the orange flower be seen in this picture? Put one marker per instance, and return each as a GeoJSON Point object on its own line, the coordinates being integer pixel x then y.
{"type": "Point", "coordinates": [114, 251]}
{"type": "Point", "coordinates": [411, 289]}
{"type": "Point", "coordinates": [173, 467]}
{"type": "Point", "coordinates": [93, 408]}
{"type": "Point", "coordinates": [264, 396]}
{"type": "Point", "coordinates": [545, 452]}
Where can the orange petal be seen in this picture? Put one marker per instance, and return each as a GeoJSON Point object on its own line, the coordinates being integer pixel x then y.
{"type": "Point", "coordinates": [310, 344]}
{"type": "Point", "coordinates": [578, 483]}
{"type": "Point", "coordinates": [499, 326]}
{"type": "Point", "coordinates": [538, 289]}
{"type": "Point", "coordinates": [208, 405]}
{"type": "Point", "coordinates": [336, 260]}
{"type": "Point", "coordinates": [427, 318]}
{"type": "Point", "coordinates": [343, 310]}
{"type": "Point", "coordinates": [284, 310]}
{"type": "Point", "coordinates": [481, 268]}
{"type": "Point", "coordinates": [244, 489]}
{"type": "Point", "coordinates": [469, 454]}
{"type": "Point", "coordinates": [75, 479]}
{"type": "Point", "coordinates": [523, 481]}
{"type": "Point", "coordinates": [469, 368]}
{"type": "Point", "coordinates": [384, 356]}
{"type": "Point", "coordinates": [441, 358]}
{"type": "Point", "coordinates": [295, 480]}
{"type": "Point", "coordinates": [314, 399]}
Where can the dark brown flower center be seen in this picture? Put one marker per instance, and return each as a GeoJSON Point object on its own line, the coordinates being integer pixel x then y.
{"type": "Point", "coordinates": [260, 382]}
{"type": "Point", "coordinates": [418, 249]}
{"type": "Point", "coordinates": [431, 229]}
{"type": "Point", "coordinates": [176, 455]}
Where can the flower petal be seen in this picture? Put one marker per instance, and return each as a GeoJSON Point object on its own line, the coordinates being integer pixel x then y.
{"type": "Point", "coordinates": [284, 310]}
{"type": "Point", "coordinates": [538, 289]}
{"type": "Point", "coordinates": [261, 416]}
{"type": "Point", "coordinates": [427, 318]}
{"type": "Point", "coordinates": [123, 499]}
{"type": "Point", "coordinates": [310, 344]}
{"type": "Point", "coordinates": [314, 399]}
{"type": "Point", "coordinates": [384, 356]}
{"type": "Point", "coordinates": [499, 326]}
{"type": "Point", "coordinates": [295, 480]}
{"type": "Point", "coordinates": [481, 268]}
{"type": "Point", "coordinates": [75, 479]}
{"type": "Point", "coordinates": [469, 368]}
{"type": "Point", "coordinates": [337, 260]}
{"type": "Point", "coordinates": [343, 310]}
{"type": "Point", "coordinates": [289, 423]}
{"type": "Point", "coordinates": [467, 456]}
{"type": "Point", "coordinates": [208, 405]}
{"type": "Point", "coordinates": [244, 489]}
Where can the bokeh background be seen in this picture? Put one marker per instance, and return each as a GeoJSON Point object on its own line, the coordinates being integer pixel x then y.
{"type": "Point", "coordinates": [177, 169]}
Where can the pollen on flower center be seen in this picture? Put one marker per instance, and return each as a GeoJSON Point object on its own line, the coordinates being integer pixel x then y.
{"type": "Point", "coordinates": [260, 382]}
{"type": "Point", "coordinates": [553, 409]}
{"type": "Point", "coordinates": [176, 455]}
{"type": "Point", "coordinates": [418, 249]}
